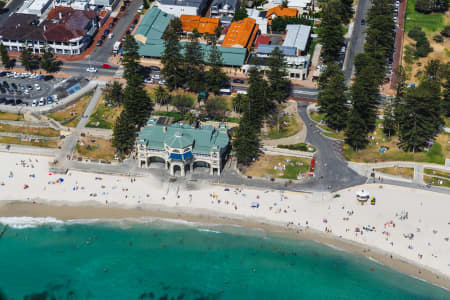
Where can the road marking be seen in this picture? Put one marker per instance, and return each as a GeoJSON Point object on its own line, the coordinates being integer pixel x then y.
{"type": "Point", "coordinates": [119, 72]}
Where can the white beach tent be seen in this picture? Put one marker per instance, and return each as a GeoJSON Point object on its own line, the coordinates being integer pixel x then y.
{"type": "Point", "coordinates": [362, 195]}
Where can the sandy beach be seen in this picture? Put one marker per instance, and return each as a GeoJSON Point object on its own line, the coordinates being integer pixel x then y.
{"type": "Point", "coordinates": [407, 229]}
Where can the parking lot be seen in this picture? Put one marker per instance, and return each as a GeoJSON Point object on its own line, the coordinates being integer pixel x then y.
{"type": "Point", "coordinates": [23, 88]}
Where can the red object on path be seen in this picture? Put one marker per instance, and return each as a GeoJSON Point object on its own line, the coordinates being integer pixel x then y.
{"type": "Point", "coordinates": [106, 66]}
{"type": "Point", "coordinates": [312, 166]}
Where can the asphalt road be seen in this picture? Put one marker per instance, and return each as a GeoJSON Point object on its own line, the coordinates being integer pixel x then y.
{"type": "Point", "coordinates": [357, 39]}
{"type": "Point", "coordinates": [331, 168]}
{"type": "Point", "coordinates": [101, 54]}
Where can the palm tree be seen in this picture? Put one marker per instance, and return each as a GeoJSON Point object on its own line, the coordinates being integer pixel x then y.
{"type": "Point", "coordinates": [190, 117]}
{"type": "Point", "coordinates": [285, 3]}
{"type": "Point", "coordinates": [162, 96]}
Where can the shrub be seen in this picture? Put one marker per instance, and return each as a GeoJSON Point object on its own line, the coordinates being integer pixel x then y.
{"type": "Point", "coordinates": [298, 147]}
{"type": "Point", "coordinates": [438, 38]}
{"type": "Point", "coordinates": [423, 6]}
{"type": "Point", "coordinates": [423, 48]}
{"type": "Point", "coordinates": [446, 31]}
{"type": "Point", "coordinates": [416, 33]}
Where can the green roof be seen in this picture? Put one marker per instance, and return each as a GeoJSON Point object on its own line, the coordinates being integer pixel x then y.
{"type": "Point", "coordinates": [152, 29]}
{"type": "Point", "coordinates": [153, 24]}
{"type": "Point", "coordinates": [230, 56]}
{"type": "Point", "coordinates": [204, 139]}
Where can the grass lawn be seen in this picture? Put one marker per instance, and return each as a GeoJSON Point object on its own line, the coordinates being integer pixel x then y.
{"type": "Point", "coordinates": [437, 173]}
{"type": "Point", "coordinates": [447, 122]}
{"type": "Point", "coordinates": [105, 116]}
{"type": "Point", "coordinates": [38, 143]}
{"type": "Point", "coordinates": [432, 24]}
{"type": "Point", "coordinates": [340, 135]}
{"type": "Point", "coordinates": [11, 116]}
{"type": "Point", "coordinates": [428, 22]}
{"type": "Point", "coordinates": [42, 131]}
{"type": "Point", "coordinates": [75, 110]}
{"type": "Point", "coordinates": [289, 125]}
{"type": "Point", "coordinates": [437, 153]}
{"type": "Point", "coordinates": [233, 120]}
{"type": "Point", "coordinates": [299, 147]}
{"type": "Point", "coordinates": [437, 181]}
{"type": "Point", "coordinates": [94, 148]}
{"type": "Point", "coordinates": [315, 116]}
{"type": "Point", "coordinates": [265, 166]}
{"type": "Point", "coordinates": [403, 172]}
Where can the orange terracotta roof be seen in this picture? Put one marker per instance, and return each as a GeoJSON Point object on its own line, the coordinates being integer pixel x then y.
{"type": "Point", "coordinates": [281, 11]}
{"type": "Point", "coordinates": [203, 25]}
{"type": "Point", "coordinates": [241, 34]}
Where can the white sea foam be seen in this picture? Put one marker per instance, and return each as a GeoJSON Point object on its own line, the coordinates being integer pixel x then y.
{"type": "Point", "coordinates": [28, 222]}
{"type": "Point", "coordinates": [208, 230]}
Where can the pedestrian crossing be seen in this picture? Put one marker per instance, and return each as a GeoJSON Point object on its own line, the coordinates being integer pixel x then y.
{"type": "Point", "coordinates": [119, 72]}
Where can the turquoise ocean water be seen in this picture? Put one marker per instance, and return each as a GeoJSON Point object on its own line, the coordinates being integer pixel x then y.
{"type": "Point", "coordinates": [123, 260]}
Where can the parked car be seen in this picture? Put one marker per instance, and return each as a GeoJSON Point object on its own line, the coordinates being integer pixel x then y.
{"type": "Point", "coordinates": [2, 74]}
{"type": "Point", "coordinates": [103, 37]}
{"type": "Point", "coordinates": [99, 43]}
{"type": "Point", "coordinates": [2, 100]}
{"type": "Point", "coordinates": [30, 87]}
{"type": "Point", "coordinates": [135, 21]}
{"type": "Point", "coordinates": [21, 85]}
{"type": "Point", "coordinates": [155, 68]}
{"type": "Point", "coordinates": [37, 87]}
{"type": "Point", "coordinates": [162, 81]}
{"type": "Point", "coordinates": [40, 77]}
{"type": "Point", "coordinates": [91, 69]}
{"type": "Point", "coordinates": [34, 103]}
{"type": "Point", "coordinates": [2, 90]}
{"type": "Point", "coordinates": [106, 66]}
{"type": "Point", "coordinates": [148, 80]}
{"type": "Point", "coordinates": [155, 77]}
{"type": "Point", "coordinates": [111, 25]}
{"type": "Point", "coordinates": [122, 8]}
{"type": "Point", "coordinates": [42, 101]}
{"type": "Point", "coordinates": [106, 32]}
{"type": "Point", "coordinates": [49, 100]}
{"type": "Point", "coordinates": [363, 22]}
{"type": "Point", "coordinates": [237, 80]}
{"type": "Point", "coordinates": [14, 86]}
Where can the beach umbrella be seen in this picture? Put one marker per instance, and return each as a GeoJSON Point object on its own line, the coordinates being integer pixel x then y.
{"type": "Point", "coordinates": [61, 179]}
